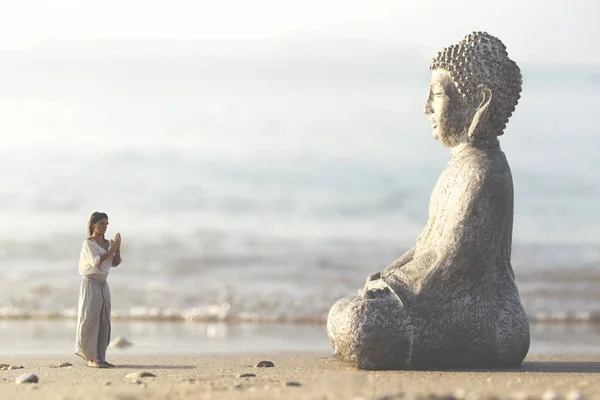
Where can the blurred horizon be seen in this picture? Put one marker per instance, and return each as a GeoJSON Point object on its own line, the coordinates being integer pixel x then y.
{"type": "Point", "coordinates": [261, 159]}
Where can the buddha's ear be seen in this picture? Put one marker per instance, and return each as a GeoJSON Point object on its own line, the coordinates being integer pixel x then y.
{"type": "Point", "coordinates": [484, 96]}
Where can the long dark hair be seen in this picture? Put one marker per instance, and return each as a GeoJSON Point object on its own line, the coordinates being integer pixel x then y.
{"type": "Point", "coordinates": [95, 218]}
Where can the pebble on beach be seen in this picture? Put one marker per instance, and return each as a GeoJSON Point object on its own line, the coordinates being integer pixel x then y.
{"type": "Point", "coordinates": [62, 365]}
{"type": "Point", "coordinates": [140, 374]}
{"type": "Point", "coordinates": [294, 384]}
{"type": "Point", "coordinates": [265, 364]}
{"type": "Point", "coordinates": [26, 378]}
{"type": "Point", "coordinates": [246, 375]}
{"type": "Point", "coordinates": [120, 343]}
{"type": "Point", "coordinates": [7, 367]}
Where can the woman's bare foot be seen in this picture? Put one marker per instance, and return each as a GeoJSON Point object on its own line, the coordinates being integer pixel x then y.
{"type": "Point", "coordinates": [96, 364]}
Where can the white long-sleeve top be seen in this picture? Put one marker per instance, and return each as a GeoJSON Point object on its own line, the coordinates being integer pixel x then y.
{"type": "Point", "coordinates": [89, 259]}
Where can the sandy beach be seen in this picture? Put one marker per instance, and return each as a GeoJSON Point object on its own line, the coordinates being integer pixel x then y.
{"type": "Point", "coordinates": [294, 376]}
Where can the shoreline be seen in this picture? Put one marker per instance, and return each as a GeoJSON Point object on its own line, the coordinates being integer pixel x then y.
{"type": "Point", "coordinates": [32, 337]}
{"type": "Point", "coordinates": [295, 376]}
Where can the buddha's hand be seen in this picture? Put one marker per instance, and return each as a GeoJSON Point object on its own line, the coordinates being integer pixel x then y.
{"type": "Point", "coordinates": [371, 279]}
{"type": "Point", "coordinates": [374, 277]}
{"type": "Point", "coordinates": [373, 289]}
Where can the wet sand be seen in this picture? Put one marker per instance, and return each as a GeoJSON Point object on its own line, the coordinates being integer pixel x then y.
{"type": "Point", "coordinates": [294, 376]}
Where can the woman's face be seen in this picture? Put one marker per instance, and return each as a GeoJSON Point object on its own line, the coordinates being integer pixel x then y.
{"type": "Point", "coordinates": [101, 226]}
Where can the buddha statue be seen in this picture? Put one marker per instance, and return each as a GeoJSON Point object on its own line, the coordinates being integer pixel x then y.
{"type": "Point", "coordinates": [451, 301]}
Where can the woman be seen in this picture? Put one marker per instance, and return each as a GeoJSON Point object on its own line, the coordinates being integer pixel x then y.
{"type": "Point", "coordinates": [97, 257]}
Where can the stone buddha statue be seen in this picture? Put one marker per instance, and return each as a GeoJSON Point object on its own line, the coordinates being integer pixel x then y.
{"type": "Point", "coordinates": [451, 301]}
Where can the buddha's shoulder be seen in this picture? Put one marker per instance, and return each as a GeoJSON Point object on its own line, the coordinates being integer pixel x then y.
{"type": "Point", "coordinates": [487, 166]}
{"type": "Point", "coordinates": [485, 160]}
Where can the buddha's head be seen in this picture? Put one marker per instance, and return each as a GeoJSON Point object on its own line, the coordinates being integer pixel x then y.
{"type": "Point", "coordinates": [474, 90]}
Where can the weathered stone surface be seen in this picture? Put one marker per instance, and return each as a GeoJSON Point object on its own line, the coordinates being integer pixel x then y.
{"type": "Point", "coordinates": [451, 301]}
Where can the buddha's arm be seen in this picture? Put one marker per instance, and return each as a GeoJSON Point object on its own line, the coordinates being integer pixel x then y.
{"type": "Point", "coordinates": [404, 259]}
{"type": "Point", "coordinates": [400, 262]}
{"type": "Point", "coordinates": [375, 285]}
{"type": "Point", "coordinates": [478, 212]}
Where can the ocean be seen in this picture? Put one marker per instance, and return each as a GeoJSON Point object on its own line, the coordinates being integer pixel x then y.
{"type": "Point", "coordinates": [255, 187]}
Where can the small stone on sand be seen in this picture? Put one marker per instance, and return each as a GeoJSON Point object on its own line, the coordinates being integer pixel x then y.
{"type": "Point", "coordinates": [265, 364]}
{"type": "Point", "coordinates": [120, 343]}
{"type": "Point", "coordinates": [247, 375]}
{"type": "Point", "coordinates": [141, 374]}
{"type": "Point", "coordinates": [62, 365]}
{"type": "Point", "coordinates": [295, 384]}
{"type": "Point", "coordinates": [26, 378]}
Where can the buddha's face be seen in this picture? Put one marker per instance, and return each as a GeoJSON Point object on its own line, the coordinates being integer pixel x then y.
{"type": "Point", "coordinates": [447, 110]}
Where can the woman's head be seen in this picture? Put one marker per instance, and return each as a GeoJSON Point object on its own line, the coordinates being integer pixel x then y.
{"type": "Point", "coordinates": [98, 223]}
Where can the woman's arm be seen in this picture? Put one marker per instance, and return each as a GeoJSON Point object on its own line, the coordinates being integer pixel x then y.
{"type": "Point", "coordinates": [117, 259]}
{"type": "Point", "coordinates": [107, 255]}
{"type": "Point", "coordinates": [90, 259]}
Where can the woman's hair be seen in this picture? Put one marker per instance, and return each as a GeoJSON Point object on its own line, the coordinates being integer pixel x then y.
{"type": "Point", "coordinates": [95, 218]}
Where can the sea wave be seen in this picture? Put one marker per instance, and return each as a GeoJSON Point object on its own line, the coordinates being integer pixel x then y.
{"type": "Point", "coordinates": [223, 313]}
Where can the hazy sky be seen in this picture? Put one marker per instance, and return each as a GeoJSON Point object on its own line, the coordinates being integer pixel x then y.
{"type": "Point", "coordinates": [547, 31]}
